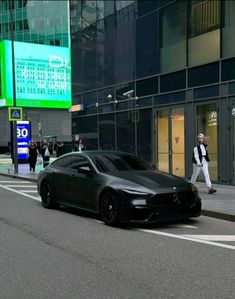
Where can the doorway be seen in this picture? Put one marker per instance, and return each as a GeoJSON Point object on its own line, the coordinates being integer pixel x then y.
{"type": "Point", "coordinates": [170, 143]}
{"type": "Point", "coordinates": [232, 136]}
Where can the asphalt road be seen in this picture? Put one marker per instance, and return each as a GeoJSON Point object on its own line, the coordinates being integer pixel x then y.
{"type": "Point", "coordinates": [67, 253]}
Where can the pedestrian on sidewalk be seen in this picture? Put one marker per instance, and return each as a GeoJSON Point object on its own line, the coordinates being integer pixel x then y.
{"type": "Point", "coordinates": [80, 146]}
{"type": "Point", "coordinates": [200, 162]}
{"type": "Point", "coordinates": [32, 155]}
{"type": "Point", "coordinates": [45, 153]}
{"type": "Point", "coordinates": [59, 149]}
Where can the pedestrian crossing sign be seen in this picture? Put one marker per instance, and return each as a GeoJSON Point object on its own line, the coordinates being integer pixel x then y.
{"type": "Point", "coordinates": [14, 113]}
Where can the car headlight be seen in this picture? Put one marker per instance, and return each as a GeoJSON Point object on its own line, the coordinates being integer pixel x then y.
{"type": "Point", "coordinates": [135, 192]}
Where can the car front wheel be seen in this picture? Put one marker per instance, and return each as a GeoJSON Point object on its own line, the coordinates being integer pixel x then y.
{"type": "Point", "coordinates": [47, 196]}
{"type": "Point", "coordinates": [109, 208]}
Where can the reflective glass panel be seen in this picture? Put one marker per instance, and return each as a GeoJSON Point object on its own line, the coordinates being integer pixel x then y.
{"type": "Point", "coordinates": [173, 29]}
{"type": "Point", "coordinates": [144, 130]}
{"type": "Point", "coordinates": [207, 124]}
{"type": "Point", "coordinates": [177, 141]}
{"type": "Point", "coordinates": [163, 140]}
{"type": "Point", "coordinates": [228, 28]}
{"type": "Point", "coordinates": [126, 131]}
{"type": "Point", "coordinates": [147, 60]}
{"type": "Point", "coordinates": [107, 131]}
{"type": "Point", "coordinates": [204, 32]}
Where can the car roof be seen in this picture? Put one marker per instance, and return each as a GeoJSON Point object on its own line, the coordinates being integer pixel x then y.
{"type": "Point", "coordinates": [96, 152]}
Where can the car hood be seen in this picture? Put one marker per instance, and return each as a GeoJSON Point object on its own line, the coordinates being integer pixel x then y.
{"type": "Point", "coordinates": [151, 179]}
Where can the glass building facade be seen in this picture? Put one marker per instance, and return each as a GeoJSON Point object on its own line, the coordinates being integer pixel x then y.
{"type": "Point", "coordinates": [151, 75]}
{"type": "Point", "coordinates": [39, 22]}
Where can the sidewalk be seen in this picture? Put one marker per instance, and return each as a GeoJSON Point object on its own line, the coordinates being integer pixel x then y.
{"type": "Point", "coordinates": [219, 205]}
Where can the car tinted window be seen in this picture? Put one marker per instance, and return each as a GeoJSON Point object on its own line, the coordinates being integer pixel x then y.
{"type": "Point", "coordinates": [57, 163]}
{"type": "Point", "coordinates": [67, 162]}
{"type": "Point", "coordinates": [74, 162]}
{"type": "Point", "coordinates": [80, 162]}
{"type": "Point", "coordinates": [115, 162]}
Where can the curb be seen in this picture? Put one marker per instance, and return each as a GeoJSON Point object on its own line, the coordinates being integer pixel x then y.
{"type": "Point", "coordinates": [218, 215]}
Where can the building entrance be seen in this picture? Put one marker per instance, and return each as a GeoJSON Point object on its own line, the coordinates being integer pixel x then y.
{"type": "Point", "coordinates": [170, 143]}
{"type": "Point", "coordinates": [232, 139]}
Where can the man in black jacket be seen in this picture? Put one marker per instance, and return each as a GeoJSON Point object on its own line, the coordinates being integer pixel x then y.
{"type": "Point", "coordinates": [200, 162]}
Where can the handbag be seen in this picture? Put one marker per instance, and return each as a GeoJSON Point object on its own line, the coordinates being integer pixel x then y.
{"type": "Point", "coordinates": [39, 160]}
{"type": "Point", "coordinates": [47, 153]}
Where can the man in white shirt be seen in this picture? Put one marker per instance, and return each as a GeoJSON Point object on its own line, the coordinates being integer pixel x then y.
{"type": "Point", "coordinates": [200, 162]}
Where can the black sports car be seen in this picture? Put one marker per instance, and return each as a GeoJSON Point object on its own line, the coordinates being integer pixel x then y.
{"type": "Point", "coordinates": [119, 186]}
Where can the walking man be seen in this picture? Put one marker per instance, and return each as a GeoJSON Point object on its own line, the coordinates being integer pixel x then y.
{"type": "Point", "coordinates": [200, 162]}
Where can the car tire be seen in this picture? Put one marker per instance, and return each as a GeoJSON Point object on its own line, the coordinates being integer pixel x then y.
{"type": "Point", "coordinates": [109, 208]}
{"type": "Point", "coordinates": [47, 199]}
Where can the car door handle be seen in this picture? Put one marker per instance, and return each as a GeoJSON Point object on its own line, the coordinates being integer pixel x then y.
{"type": "Point", "coordinates": [72, 176]}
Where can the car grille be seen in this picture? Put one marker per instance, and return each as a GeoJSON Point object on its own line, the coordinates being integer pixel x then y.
{"type": "Point", "coordinates": [175, 199]}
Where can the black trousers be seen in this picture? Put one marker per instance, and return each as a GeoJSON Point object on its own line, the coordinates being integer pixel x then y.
{"type": "Point", "coordinates": [32, 163]}
{"type": "Point", "coordinates": [45, 161]}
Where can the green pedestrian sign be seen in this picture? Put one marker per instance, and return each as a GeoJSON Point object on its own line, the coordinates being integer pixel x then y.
{"type": "Point", "coordinates": [14, 113]}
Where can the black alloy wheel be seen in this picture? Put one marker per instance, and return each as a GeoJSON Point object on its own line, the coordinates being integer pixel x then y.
{"type": "Point", "coordinates": [109, 208]}
{"type": "Point", "coordinates": [47, 196]}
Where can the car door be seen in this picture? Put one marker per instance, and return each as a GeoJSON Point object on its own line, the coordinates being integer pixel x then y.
{"type": "Point", "coordinates": [61, 179]}
{"type": "Point", "coordinates": [83, 184]}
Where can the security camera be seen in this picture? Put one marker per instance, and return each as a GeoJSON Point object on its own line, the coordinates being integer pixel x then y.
{"type": "Point", "coordinates": [109, 97]}
{"type": "Point", "coordinates": [128, 93]}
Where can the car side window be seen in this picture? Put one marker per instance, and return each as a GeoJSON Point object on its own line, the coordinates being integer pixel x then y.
{"type": "Point", "coordinates": [57, 163]}
{"type": "Point", "coordinates": [67, 162]}
{"type": "Point", "coordinates": [81, 162]}
{"type": "Point", "coordinates": [76, 162]}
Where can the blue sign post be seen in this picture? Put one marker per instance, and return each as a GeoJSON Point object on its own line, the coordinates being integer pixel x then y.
{"type": "Point", "coordinates": [23, 138]}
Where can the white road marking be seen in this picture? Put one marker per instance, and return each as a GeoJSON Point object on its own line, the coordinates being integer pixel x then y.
{"type": "Point", "coordinates": [221, 238]}
{"type": "Point", "coordinates": [98, 221]}
{"type": "Point", "coordinates": [187, 238]}
{"type": "Point", "coordinates": [29, 191]}
{"type": "Point", "coordinates": [181, 226]}
{"type": "Point", "coordinates": [191, 238]}
{"type": "Point", "coordinates": [15, 182]}
{"type": "Point", "coordinates": [20, 193]}
{"type": "Point", "coordinates": [20, 186]}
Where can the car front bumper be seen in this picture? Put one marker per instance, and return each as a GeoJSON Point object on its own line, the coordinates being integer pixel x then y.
{"type": "Point", "coordinates": [137, 211]}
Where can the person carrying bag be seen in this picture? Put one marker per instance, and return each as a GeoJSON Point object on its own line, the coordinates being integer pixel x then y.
{"type": "Point", "coordinates": [45, 154]}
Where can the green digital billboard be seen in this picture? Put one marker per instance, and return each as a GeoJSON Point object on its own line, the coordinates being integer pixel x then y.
{"type": "Point", "coordinates": [42, 75]}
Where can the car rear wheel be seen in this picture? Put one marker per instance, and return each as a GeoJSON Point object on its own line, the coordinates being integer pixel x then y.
{"type": "Point", "coordinates": [109, 208]}
{"type": "Point", "coordinates": [47, 196]}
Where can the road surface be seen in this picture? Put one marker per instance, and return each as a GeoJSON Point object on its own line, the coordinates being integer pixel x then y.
{"type": "Point", "coordinates": [67, 253]}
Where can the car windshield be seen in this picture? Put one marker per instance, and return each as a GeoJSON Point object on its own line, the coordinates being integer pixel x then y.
{"type": "Point", "coordinates": [119, 162]}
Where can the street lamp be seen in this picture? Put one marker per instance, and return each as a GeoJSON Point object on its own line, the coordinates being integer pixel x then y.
{"type": "Point", "coordinates": [14, 134]}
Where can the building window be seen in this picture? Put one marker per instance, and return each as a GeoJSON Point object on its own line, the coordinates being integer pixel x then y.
{"type": "Point", "coordinates": [207, 124]}
{"type": "Point", "coordinates": [107, 132]}
{"type": "Point", "coordinates": [126, 131]}
{"type": "Point", "coordinates": [204, 16]}
{"type": "Point", "coordinates": [55, 42]}
{"type": "Point", "coordinates": [228, 28]}
{"type": "Point", "coordinates": [228, 70]}
{"type": "Point", "coordinates": [173, 30]}
{"type": "Point", "coordinates": [203, 75]}
{"type": "Point", "coordinates": [146, 6]}
{"type": "Point", "coordinates": [147, 87]}
{"type": "Point", "coordinates": [147, 39]}
{"type": "Point", "coordinates": [23, 3]}
{"type": "Point", "coordinates": [204, 32]}
{"type": "Point", "coordinates": [173, 81]}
